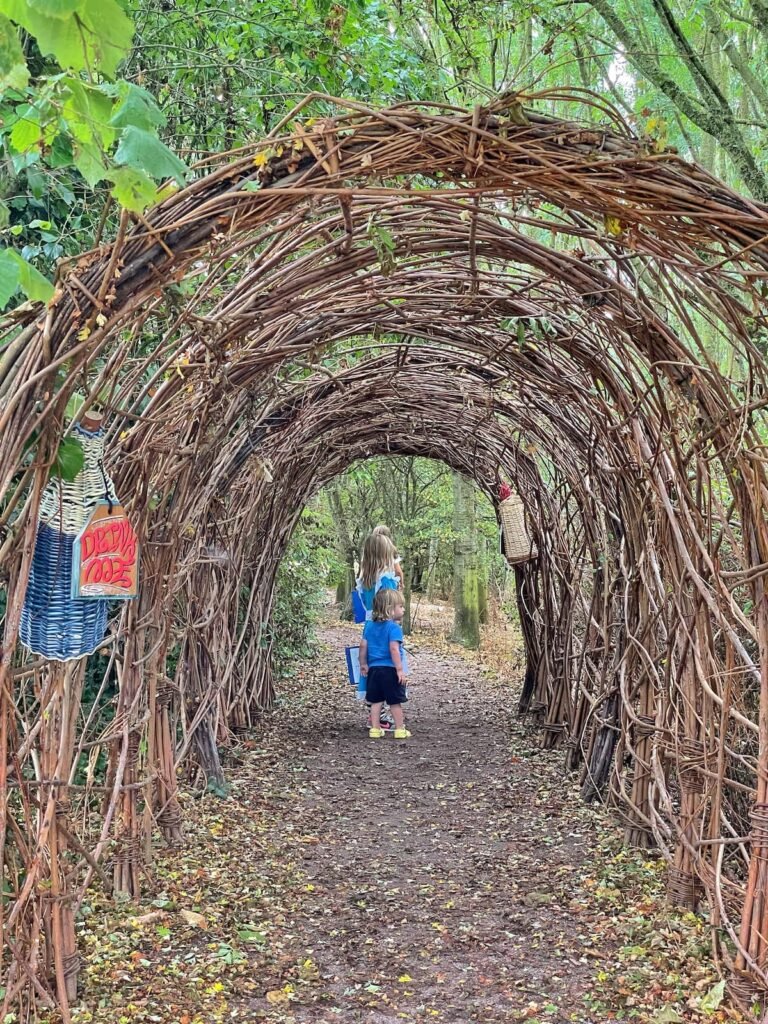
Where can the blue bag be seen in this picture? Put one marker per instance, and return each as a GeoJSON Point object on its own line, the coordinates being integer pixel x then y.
{"type": "Point", "coordinates": [358, 606]}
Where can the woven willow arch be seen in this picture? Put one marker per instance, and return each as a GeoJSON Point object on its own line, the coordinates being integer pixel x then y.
{"type": "Point", "coordinates": [516, 294]}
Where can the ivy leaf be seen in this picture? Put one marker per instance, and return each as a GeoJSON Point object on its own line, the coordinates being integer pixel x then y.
{"type": "Point", "coordinates": [70, 459]}
{"type": "Point", "coordinates": [14, 73]}
{"type": "Point", "coordinates": [132, 188]}
{"type": "Point", "coordinates": [667, 1015]}
{"type": "Point", "coordinates": [142, 150]}
{"type": "Point", "coordinates": [97, 34]}
{"type": "Point", "coordinates": [136, 108]}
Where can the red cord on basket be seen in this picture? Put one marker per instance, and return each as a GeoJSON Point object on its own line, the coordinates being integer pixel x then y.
{"type": "Point", "coordinates": [505, 491]}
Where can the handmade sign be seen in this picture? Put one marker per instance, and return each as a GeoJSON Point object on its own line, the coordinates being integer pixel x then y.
{"type": "Point", "coordinates": [105, 557]}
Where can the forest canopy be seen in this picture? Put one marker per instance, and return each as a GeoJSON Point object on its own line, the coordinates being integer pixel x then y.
{"type": "Point", "coordinates": [103, 102]}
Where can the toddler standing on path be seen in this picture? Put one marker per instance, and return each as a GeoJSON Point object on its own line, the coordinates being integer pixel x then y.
{"type": "Point", "coordinates": [381, 662]}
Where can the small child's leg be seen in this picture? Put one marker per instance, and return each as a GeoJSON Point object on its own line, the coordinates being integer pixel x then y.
{"type": "Point", "coordinates": [376, 715]}
{"type": "Point", "coordinates": [397, 714]}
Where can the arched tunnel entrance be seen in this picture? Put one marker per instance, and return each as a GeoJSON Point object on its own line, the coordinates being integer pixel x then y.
{"type": "Point", "coordinates": [517, 295]}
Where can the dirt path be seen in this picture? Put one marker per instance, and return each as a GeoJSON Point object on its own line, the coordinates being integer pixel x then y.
{"type": "Point", "coordinates": [448, 858]}
{"type": "Point", "coordinates": [448, 878]}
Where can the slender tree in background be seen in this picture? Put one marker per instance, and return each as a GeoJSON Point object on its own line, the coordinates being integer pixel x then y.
{"type": "Point", "coordinates": [347, 545]}
{"type": "Point", "coordinates": [466, 623]}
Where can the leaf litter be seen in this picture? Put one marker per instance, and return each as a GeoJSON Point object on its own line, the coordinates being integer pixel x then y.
{"type": "Point", "coordinates": [453, 878]}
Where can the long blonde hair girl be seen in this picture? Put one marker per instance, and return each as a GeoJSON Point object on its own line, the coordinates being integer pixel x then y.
{"type": "Point", "coordinates": [378, 557]}
{"type": "Point", "coordinates": [384, 531]}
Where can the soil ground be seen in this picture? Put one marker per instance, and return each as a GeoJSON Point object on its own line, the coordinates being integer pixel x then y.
{"type": "Point", "coordinates": [452, 877]}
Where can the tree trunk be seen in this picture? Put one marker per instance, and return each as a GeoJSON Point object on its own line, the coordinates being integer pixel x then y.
{"type": "Point", "coordinates": [482, 582]}
{"type": "Point", "coordinates": [432, 568]}
{"type": "Point", "coordinates": [344, 592]}
{"type": "Point", "coordinates": [466, 622]}
{"type": "Point", "coordinates": [347, 548]}
{"type": "Point", "coordinates": [407, 591]}
{"type": "Point", "coordinates": [527, 603]}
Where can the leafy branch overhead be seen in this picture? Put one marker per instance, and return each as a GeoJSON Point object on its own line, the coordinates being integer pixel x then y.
{"type": "Point", "coordinates": [62, 110]}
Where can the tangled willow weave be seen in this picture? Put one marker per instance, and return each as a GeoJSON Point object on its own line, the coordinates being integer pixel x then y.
{"type": "Point", "coordinates": [516, 294]}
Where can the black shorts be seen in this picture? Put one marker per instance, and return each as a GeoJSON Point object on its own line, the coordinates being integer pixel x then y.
{"type": "Point", "coordinates": [382, 685]}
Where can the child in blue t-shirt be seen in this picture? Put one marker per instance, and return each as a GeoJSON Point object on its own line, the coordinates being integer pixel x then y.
{"type": "Point", "coordinates": [377, 572]}
{"type": "Point", "coordinates": [381, 662]}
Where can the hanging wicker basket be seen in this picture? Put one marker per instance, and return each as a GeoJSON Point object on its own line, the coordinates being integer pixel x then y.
{"type": "Point", "coordinates": [518, 545]}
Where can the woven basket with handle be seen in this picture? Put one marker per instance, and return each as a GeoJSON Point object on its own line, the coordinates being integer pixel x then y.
{"type": "Point", "coordinates": [518, 546]}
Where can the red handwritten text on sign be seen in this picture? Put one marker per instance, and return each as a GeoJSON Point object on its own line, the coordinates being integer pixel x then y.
{"type": "Point", "coordinates": [106, 560]}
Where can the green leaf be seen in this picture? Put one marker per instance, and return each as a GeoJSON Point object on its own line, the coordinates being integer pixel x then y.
{"type": "Point", "coordinates": [144, 151]}
{"type": "Point", "coordinates": [27, 132]}
{"type": "Point", "coordinates": [136, 108]}
{"type": "Point", "coordinates": [712, 1000]}
{"type": "Point", "coordinates": [61, 152]}
{"type": "Point", "coordinates": [16, 273]}
{"type": "Point", "coordinates": [667, 1015]}
{"type": "Point", "coordinates": [14, 73]}
{"type": "Point", "coordinates": [74, 405]}
{"type": "Point", "coordinates": [70, 459]}
{"type": "Point", "coordinates": [87, 110]}
{"type": "Point", "coordinates": [32, 283]}
{"type": "Point", "coordinates": [56, 8]}
{"type": "Point", "coordinates": [96, 38]}
{"type": "Point", "coordinates": [9, 276]}
{"type": "Point", "coordinates": [89, 162]}
{"type": "Point", "coordinates": [132, 188]}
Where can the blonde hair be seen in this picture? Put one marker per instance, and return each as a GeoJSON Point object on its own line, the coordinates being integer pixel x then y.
{"type": "Point", "coordinates": [378, 557]}
{"type": "Point", "coordinates": [384, 531]}
{"type": "Point", "coordinates": [384, 604]}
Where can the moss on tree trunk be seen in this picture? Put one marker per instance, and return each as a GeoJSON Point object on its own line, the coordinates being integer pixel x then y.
{"type": "Point", "coordinates": [466, 577]}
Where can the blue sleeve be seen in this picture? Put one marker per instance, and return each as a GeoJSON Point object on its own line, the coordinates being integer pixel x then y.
{"type": "Point", "coordinates": [367, 631]}
{"type": "Point", "coordinates": [395, 632]}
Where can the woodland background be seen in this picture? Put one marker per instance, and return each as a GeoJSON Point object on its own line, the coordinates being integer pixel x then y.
{"type": "Point", "coordinates": [106, 105]}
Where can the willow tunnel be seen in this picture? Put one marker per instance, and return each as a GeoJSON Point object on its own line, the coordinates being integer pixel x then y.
{"type": "Point", "coordinates": [524, 297]}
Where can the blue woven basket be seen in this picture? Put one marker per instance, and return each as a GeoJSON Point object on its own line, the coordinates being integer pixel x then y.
{"type": "Point", "coordinates": [53, 624]}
